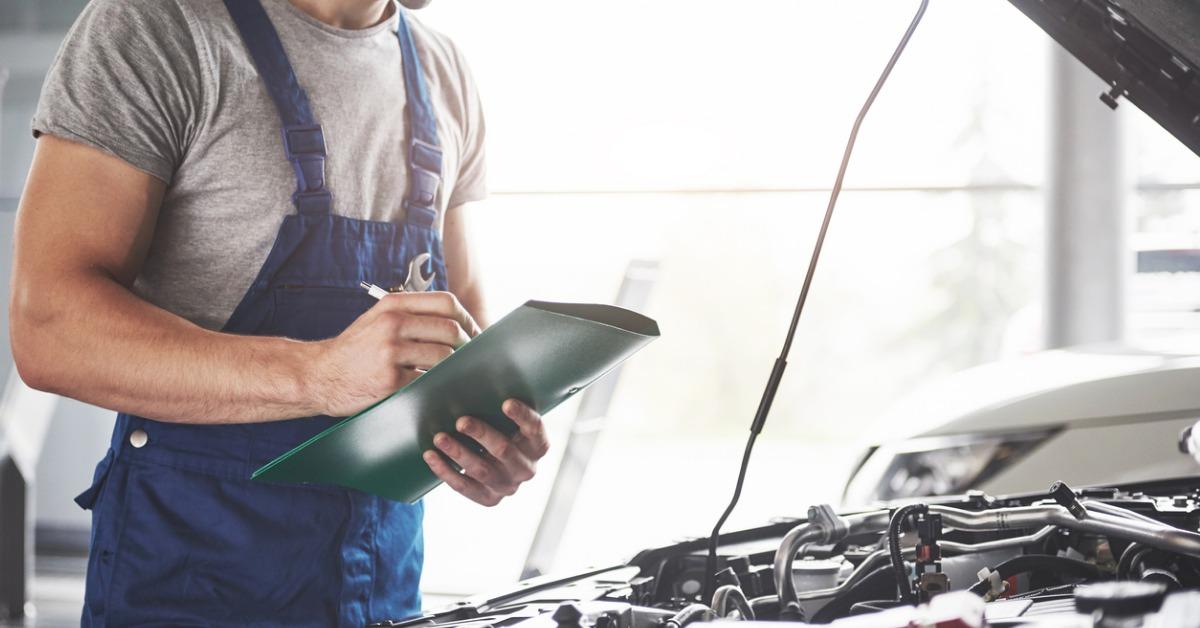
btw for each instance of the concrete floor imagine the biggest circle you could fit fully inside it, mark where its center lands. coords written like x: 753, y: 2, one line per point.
x: 57, y: 592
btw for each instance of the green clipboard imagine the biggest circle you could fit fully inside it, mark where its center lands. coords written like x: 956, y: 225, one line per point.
x: 541, y: 353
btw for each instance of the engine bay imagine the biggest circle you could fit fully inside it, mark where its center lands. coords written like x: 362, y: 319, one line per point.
x: 1105, y: 556
x: 1124, y: 556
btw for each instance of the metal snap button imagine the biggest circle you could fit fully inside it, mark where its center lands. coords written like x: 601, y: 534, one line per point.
x: 138, y: 438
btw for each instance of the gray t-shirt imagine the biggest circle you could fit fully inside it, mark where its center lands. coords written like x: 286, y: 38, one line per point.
x: 167, y: 86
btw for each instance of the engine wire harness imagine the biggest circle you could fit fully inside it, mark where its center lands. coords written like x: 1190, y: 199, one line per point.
x: 916, y: 567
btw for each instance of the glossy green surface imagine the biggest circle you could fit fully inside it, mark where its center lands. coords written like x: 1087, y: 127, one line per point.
x: 541, y: 353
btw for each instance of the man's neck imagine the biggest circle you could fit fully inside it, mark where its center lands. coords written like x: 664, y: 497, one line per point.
x: 348, y: 14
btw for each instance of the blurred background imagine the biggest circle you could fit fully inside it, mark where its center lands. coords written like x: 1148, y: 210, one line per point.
x: 700, y: 138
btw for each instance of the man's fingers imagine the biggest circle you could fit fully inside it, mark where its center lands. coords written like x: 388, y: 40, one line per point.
x: 496, y: 444
x: 439, y: 304
x: 503, y: 448
x: 530, y: 424
x: 433, y: 329
x: 423, y: 355
x: 506, y: 462
x: 482, y: 470
x: 406, y: 377
x: 462, y: 484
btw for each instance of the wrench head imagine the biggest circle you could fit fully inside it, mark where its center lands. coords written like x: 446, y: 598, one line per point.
x: 417, y: 281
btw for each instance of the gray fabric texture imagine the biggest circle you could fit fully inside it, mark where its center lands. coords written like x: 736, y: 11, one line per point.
x: 167, y: 86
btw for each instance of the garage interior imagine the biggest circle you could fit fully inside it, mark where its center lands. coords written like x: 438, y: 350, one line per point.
x: 1009, y: 295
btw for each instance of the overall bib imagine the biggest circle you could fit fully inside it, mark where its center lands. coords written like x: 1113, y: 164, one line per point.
x: 180, y: 535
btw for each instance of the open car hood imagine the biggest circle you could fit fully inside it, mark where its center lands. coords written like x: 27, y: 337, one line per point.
x: 1148, y: 51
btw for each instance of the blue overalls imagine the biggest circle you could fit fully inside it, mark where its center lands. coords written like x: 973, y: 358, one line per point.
x: 180, y: 534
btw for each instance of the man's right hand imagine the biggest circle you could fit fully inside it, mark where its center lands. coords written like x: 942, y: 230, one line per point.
x: 388, y: 347
x: 79, y: 330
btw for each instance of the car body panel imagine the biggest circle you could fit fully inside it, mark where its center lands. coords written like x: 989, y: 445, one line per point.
x: 1107, y: 414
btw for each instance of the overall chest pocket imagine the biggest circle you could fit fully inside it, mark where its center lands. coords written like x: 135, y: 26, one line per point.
x: 316, y: 312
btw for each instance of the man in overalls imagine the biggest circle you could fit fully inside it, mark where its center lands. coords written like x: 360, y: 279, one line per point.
x: 213, y: 179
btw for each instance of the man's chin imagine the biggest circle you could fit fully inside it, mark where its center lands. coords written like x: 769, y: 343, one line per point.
x: 415, y: 4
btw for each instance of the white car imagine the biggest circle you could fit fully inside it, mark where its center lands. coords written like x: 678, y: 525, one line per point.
x: 1090, y: 416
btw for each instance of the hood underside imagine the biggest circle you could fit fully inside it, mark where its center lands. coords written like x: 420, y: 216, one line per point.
x: 1147, y: 51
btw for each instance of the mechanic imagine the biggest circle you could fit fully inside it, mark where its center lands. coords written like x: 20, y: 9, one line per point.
x: 212, y: 181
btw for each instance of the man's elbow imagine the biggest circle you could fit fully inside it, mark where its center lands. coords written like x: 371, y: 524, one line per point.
x: 34, y: 371
x: 31, y: 350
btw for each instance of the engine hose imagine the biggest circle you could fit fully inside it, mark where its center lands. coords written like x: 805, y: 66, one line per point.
x: 1161, y: 536
x: 1132, y: 566
x: 1038, y: 563
x: 873, y: 606
x: 765, y: 607
x: 874, y: 585
x: 1161, y: 576
x: 903, y: 586
x: 1130, y: 558
x: 689, y: 614
x: 731, y: 593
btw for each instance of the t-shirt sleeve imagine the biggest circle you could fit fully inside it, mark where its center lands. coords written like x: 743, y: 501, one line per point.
x: 127, y: 80
x: 472, y: 173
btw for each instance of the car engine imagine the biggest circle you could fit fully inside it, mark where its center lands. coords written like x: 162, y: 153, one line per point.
x: 1124, y: 556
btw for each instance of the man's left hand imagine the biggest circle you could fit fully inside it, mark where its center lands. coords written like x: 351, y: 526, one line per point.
x: 506, y: 463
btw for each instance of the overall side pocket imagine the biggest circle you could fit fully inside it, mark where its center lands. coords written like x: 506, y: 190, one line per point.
x: 102, y: 498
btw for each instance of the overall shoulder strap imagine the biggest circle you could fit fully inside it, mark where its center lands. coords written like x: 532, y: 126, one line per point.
x: 424, y: 154
x: 303, y: 140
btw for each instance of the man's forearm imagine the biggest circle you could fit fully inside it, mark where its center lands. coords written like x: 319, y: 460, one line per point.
x: 90, y: 338
x: 461, y: 263
x: 472, y: 299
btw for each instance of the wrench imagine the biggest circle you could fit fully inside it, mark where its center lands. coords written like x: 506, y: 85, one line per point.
x: 417, y: 281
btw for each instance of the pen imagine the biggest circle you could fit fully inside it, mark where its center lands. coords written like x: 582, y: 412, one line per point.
x: 374, y: 290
